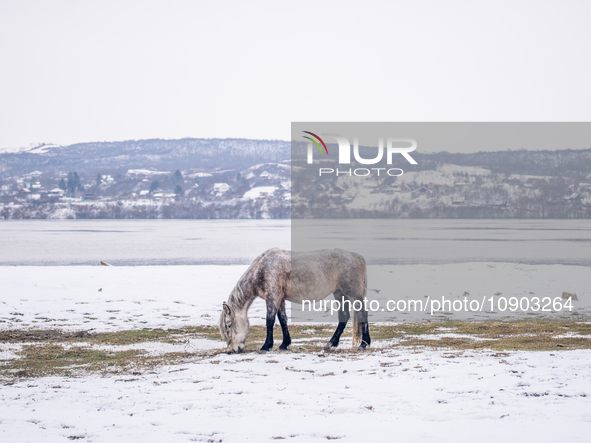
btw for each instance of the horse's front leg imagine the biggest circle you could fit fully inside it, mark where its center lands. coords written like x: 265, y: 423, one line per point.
x: 271, y: 313
x: 282, y: 315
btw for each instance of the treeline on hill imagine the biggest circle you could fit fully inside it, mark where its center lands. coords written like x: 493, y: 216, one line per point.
x: 156, y: 153
x: 566, y: 163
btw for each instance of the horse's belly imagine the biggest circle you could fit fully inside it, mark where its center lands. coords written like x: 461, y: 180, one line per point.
x: 310, y: 292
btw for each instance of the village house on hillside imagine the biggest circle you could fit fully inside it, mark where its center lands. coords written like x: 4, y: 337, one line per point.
x: 219, y: 189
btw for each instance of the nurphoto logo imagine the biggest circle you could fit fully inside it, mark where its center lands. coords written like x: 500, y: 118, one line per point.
x: 392, y: 147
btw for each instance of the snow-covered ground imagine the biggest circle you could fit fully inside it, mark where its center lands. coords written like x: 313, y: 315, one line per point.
x: 257, y: 192
x: 109, y: 298
x: 388, y: 396
x: 384, y: 395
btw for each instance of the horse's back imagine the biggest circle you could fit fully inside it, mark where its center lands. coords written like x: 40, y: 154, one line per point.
x: 310, y: 275
x: 316, y: 274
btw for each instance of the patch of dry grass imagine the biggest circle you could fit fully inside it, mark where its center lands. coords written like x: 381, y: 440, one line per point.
x: 55, y: 352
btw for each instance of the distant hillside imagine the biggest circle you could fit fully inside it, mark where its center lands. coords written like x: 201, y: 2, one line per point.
x: 564, y: 163
x: 238, y: 178
x: 208, y: 154
x: 156, y: 153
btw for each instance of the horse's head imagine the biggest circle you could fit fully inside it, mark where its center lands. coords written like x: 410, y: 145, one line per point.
x: 234, y: 327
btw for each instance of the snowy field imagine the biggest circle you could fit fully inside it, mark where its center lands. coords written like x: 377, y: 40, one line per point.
x: 403, y: 396
x: 383, y: 395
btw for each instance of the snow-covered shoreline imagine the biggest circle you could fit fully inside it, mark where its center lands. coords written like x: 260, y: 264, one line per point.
x: 108, y: 298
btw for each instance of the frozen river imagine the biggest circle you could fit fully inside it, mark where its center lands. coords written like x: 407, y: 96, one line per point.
x: 237, y: 242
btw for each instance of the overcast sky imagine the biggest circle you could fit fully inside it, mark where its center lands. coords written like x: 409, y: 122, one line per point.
x: 77, y: 71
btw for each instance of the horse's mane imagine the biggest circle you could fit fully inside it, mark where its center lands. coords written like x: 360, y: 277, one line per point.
x: 244, y: 292
x: 237, y: 297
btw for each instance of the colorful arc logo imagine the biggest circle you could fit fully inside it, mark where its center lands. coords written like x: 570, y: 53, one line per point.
x: 315, y: 142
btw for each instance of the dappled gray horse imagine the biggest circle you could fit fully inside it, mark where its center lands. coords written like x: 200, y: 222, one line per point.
x: 278, y: 275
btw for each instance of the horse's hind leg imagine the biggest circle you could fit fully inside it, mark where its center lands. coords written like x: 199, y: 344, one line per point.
x: 343, y: 319
x: 360, y: 322
x: 365, y: 338
x: 282, y: 316
x: 271, y: 313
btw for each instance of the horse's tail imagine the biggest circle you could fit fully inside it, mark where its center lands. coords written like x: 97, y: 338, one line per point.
x: 357, y: 328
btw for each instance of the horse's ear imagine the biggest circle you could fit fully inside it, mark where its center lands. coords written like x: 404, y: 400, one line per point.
x: 227, y: 309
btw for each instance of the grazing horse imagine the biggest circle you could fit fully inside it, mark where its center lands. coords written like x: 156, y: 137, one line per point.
x: 278, y: 275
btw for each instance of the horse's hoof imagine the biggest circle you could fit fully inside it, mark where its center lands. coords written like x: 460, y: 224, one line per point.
x: 263, y: 351
x: 362, y: 348
x: 328, y: 347
x: 283, y: 348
